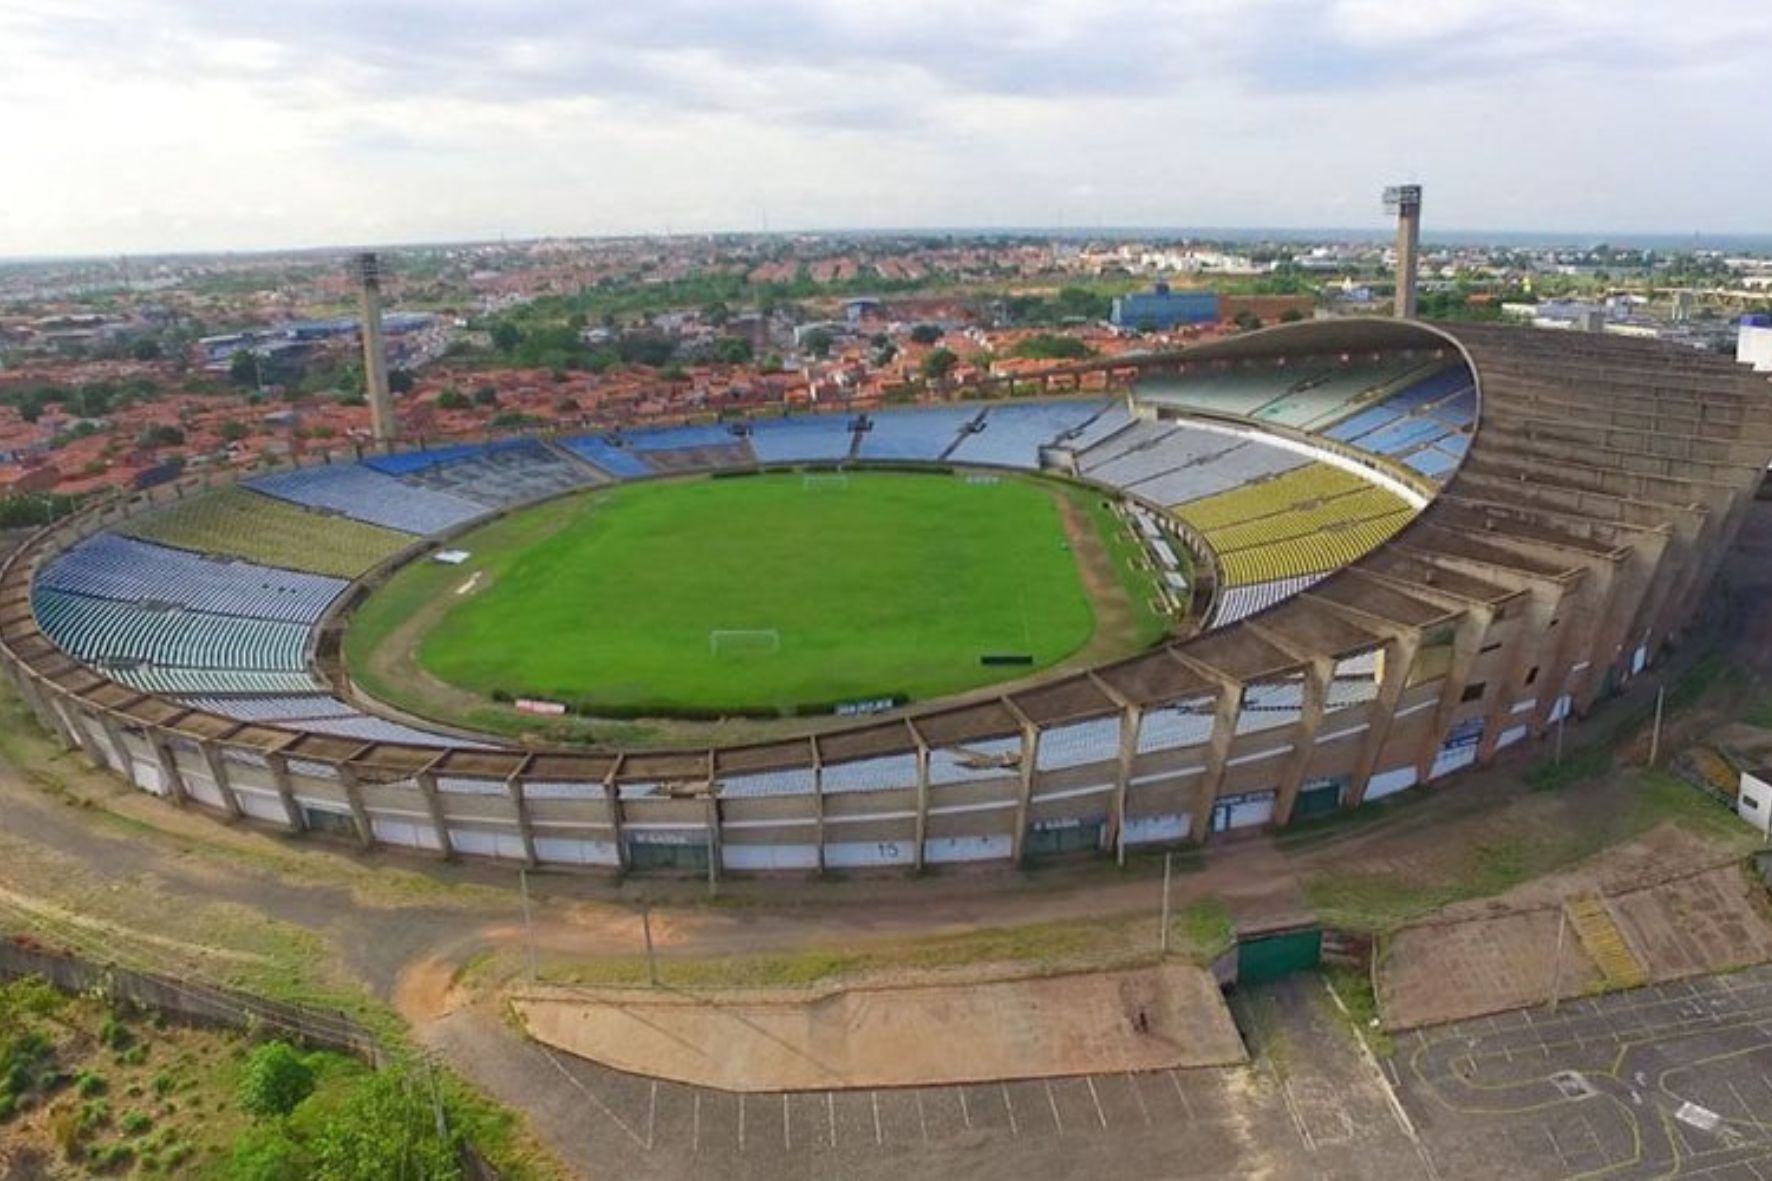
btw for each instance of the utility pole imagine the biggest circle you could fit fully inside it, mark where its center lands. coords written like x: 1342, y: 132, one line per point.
x: 1655, y: 734
x: 651, y: 959
x: 528, y: 925
x: 1163, y: 935
x: 1557, y: 963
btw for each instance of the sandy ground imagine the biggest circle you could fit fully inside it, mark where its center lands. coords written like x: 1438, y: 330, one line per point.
x: 775, y: 1040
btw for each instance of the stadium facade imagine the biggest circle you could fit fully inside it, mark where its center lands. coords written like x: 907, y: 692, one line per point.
x: 1413, y: 548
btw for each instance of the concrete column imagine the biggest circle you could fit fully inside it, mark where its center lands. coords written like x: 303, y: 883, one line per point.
x: 818, y: 803
x: 427, y: 786
x: 170, y: 775
x: 218, y: 771
x: 714, y: 836
x: 1024, y: 791
x: 347, y: 778
x: 286, y: 792
x: 121, y: 760
x: 1304, y: 738
x: 1399, y: 659
x: 1129, y: 723
x: 922, y: 823
x: 1224, y: 731
x: 520, y: 808
x: 1467, y: 645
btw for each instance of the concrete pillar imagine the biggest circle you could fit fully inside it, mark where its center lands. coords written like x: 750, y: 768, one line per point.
x: 922, y: 822
x: 1129, y: 723
x: 1304, y: 738
x: 1399, y: 659
x: 1024, y: 791
x: 1224, y: 731
x: 170, y: 775
x: 427, y: 786
x: 218, y: 771
x: 520, y: 809
x: 347, y: 778
x: 279, y: 766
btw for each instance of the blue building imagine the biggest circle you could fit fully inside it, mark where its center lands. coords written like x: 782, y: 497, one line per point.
x: 1162, y: 309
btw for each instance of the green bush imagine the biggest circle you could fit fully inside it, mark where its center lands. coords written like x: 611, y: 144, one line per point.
x: 89, y: 1083
x: 276, y: 1078
x: 134, y: 1123
x: 266, y: 1154
x: 115, y: 1034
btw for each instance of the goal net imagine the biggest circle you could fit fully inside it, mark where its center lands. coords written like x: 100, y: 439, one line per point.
x: 817, y: 480
x: 756, y: 641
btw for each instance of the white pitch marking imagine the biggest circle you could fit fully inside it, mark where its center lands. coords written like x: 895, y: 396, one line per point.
x: 695, y: 1126
x: 830, y: 1110
x: 787, y: 1134
x: 1010, y: 1108
x: 879, y: 1137
x: 1132, y: 1081
x: 1053, y: 1103
x: 1099, y: 1113
x: 965, y: 1112
x: 651, y: 1114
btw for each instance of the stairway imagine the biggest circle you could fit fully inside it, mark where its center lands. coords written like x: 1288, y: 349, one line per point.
x: 1605, y: 943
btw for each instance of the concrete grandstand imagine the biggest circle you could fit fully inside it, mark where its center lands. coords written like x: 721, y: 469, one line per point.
x: 1412, y: 547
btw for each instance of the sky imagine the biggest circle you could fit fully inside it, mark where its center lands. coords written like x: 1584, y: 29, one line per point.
x: 158, y: 125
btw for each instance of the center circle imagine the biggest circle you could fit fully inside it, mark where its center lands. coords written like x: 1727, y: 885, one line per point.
x: 757, y: 595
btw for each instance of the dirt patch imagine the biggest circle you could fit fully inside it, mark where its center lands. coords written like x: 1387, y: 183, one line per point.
x: 764, y: 1040
x: 1713, y: 920
x: 1441, y: 972
x: 425, y: 990
x: 1115, y: 624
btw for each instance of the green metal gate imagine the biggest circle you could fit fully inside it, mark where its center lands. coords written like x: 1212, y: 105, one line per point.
x: 643, y: 855
x: 1317, y: 799
x: 1077, y: 838
x: 1263, y: 958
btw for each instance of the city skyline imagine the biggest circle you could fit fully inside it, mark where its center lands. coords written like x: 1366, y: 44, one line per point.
x: 182, y: 125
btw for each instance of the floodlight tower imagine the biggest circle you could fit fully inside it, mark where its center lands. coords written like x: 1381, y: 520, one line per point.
x: 375, y: 359
x: 1405, y: 202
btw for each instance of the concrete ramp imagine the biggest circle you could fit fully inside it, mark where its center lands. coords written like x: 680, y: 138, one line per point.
x: 925, y: 1035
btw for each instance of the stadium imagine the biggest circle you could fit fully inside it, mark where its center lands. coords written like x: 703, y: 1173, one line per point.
x: 1172, y: 598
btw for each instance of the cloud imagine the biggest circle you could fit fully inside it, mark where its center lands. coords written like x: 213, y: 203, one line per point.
x: 229, y: 124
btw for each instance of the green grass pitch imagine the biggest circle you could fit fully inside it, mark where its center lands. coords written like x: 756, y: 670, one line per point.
x: 880, y: 584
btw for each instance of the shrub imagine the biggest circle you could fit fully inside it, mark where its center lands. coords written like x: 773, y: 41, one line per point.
x: 262, y: 1154
x: 114, y: 1033
x: 89, y: 1084
x: 276, y: 1078
x: 134, y: 1123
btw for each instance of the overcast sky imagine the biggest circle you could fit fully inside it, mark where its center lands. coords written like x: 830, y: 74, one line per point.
x: 144, y: 125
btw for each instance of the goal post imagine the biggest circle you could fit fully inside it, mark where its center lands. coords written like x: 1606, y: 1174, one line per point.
x: 744, y: 641
x: 826, y: 480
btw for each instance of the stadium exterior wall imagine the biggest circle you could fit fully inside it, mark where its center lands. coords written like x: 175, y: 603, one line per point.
x: 1606, y: 480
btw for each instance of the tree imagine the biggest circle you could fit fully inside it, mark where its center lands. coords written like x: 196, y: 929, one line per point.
x: 232, y: 431
x: 818, y: 342
x: 276, y: 1078
x: 161, y: 435
x: 486, y: 395
x: 733, y: 351
x: 387, y: 1130
x: 506, y: 336
x: 939, y: 364
x: 1247, y: 321
x: 1047, y: 346
x: 926, y: 334
x: 400, y: 381
x: 453, y: 399
x: 244, y: 369
x: 145, y: 349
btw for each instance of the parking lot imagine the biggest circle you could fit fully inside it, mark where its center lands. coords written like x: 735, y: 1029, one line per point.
x: 1670, y: 1080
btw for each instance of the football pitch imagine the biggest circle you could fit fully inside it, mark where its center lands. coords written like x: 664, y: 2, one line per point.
x: 762, y: 594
